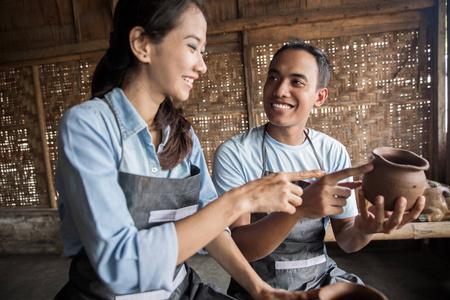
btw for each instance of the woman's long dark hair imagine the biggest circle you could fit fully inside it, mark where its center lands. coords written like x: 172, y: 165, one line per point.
x: 158, y: 18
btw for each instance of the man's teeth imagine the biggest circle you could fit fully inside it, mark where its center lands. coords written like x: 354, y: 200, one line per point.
x: 188, y: 79
x: 282, y: 106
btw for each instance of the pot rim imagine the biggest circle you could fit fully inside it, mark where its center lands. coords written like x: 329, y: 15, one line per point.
x: 422, y: 163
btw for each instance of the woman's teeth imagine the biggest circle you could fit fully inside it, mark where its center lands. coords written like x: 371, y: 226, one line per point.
x: 188, y: 79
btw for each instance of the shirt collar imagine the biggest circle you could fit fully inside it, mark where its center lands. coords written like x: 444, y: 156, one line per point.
x: 130, y: 122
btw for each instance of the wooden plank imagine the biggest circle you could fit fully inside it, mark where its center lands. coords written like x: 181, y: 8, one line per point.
x: 28, y: 63
x: 42, y: 129
x: 322, y: 15
x: 338, y: 28
x: 414, y: 230
x: 46, y: 53
x: 223, y: 48
x: 76, y: 18
x: 222, y: 38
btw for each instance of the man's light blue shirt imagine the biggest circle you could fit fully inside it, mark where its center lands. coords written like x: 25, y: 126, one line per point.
x: 92, y: 206
x: 239, y: 160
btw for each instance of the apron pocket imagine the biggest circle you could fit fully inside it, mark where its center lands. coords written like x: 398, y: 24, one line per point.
x: 299, y: 274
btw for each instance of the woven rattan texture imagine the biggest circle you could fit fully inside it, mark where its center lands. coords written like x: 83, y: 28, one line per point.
x: 22, y: 181
x: 216, y: 107
x: 212, y: 130
x: 377, y: 95
x: 63, y: 85
x: 221, y: 88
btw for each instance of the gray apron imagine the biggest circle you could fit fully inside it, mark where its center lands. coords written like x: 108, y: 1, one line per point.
x: 151, y: 202
x: 301, y: 261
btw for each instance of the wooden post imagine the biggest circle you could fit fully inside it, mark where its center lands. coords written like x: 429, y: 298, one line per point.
x: 246, y: 52
x: 438, y: 139
x: 247, y: 59
x: 447, y: 180
x: 43, y: 131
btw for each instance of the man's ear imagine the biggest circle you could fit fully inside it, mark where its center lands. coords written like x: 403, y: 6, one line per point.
x: 322, y: 95
x: 140, y: 44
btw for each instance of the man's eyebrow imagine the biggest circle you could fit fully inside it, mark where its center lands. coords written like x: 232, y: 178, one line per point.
x: 302, y: 76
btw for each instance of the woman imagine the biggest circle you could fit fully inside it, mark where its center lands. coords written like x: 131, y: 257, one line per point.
x: 131, y: 173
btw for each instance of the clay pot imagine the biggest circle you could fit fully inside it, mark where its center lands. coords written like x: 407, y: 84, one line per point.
x: 397, y: 173
x: 350, y: 291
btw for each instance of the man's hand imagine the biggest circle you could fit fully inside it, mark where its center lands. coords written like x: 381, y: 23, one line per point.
x: 326, y: 196
x: 375, y: 219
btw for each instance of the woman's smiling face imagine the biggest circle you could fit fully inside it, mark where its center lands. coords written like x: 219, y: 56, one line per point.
x: 178, y: 60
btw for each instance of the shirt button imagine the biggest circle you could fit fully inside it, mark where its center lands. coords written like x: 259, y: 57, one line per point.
x: 154, y: 170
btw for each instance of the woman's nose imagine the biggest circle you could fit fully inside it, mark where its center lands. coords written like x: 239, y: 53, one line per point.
x: 201, y: 65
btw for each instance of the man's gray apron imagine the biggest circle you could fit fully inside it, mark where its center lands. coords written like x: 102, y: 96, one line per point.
x: 301, y: 261
x: 151, y: 201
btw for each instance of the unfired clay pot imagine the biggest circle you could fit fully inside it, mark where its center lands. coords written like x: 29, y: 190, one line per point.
x: 396, y: 173
x: 349, y: 291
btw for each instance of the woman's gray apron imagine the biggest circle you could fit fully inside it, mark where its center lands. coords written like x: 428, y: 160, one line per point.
x: 151, y: 201
x: 301, y: 261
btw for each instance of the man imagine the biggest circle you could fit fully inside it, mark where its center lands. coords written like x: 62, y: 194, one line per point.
x: 288, y: 251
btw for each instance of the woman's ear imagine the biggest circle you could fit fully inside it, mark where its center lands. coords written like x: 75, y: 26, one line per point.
x: 322, y: 95
x: 140, y: 44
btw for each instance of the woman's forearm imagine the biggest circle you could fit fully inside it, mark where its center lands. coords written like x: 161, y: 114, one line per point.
x: 226, y: 253
x: 196, y: 231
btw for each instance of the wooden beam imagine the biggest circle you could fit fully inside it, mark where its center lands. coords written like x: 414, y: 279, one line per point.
x: 40, y: 61
x: 322, y: 15
x: 43, y: 131
x: 45, y: 53
x: 338, y: 28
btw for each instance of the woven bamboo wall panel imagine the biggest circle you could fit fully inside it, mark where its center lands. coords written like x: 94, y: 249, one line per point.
x: 378, y: 92
x: 369, y: 67
x: 362, y: 128
x: 216, y: 129
x: 22, y: 169
x: 63, y: 85
x: 221, y: 88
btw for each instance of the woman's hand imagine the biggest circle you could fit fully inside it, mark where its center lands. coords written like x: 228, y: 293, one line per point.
x: 272, y: 193
x: 375, y: 219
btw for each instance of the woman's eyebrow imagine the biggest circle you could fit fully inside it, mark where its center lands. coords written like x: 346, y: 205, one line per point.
x: 193, y: 36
